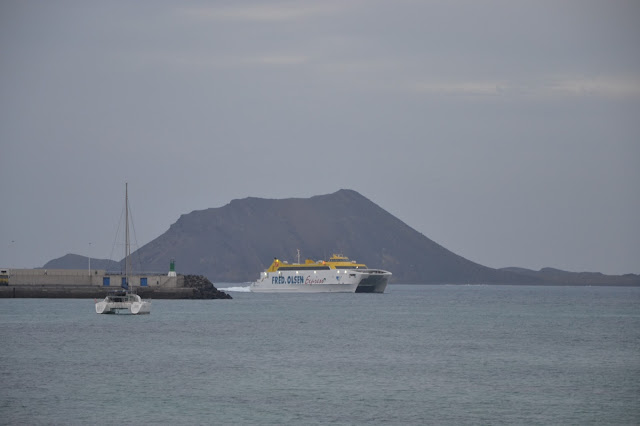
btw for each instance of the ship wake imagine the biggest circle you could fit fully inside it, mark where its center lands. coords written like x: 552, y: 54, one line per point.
x: 237, y: 289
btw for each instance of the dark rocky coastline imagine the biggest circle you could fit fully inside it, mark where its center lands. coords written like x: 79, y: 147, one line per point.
x: 195, y: 287
x: 203, y: 288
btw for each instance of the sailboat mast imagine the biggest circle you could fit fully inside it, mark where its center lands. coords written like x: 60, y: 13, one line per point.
x: 127, y: 249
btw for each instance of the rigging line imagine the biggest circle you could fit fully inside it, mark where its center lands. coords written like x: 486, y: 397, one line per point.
x: 135, y: 239
x: 115, y: 241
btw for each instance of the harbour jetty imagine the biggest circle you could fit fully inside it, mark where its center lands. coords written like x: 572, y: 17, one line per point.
x: 95, y: 283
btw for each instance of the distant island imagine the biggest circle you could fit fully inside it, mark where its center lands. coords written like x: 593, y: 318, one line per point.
x: 234, y: 243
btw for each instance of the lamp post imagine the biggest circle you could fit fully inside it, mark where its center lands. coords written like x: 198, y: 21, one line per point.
x: 89, y: 258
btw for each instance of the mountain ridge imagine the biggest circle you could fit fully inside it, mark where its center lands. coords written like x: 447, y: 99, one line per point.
x: 235, y: 242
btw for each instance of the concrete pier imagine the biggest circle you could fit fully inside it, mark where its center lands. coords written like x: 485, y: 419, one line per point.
x: 81, y: 284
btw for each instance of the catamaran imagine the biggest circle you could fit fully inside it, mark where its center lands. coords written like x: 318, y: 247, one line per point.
x: 124, y: 301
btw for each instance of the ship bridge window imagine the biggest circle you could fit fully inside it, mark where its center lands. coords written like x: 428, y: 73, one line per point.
x: 303, y: 268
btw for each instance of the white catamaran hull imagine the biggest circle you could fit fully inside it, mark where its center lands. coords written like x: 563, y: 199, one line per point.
x: 133, y: 308
x: 123, y: 302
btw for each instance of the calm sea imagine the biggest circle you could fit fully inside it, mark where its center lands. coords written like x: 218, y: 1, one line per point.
x: 443, y: 355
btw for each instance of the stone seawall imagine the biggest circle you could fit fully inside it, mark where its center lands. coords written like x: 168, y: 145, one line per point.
x: 55, y: 284
x: 87, y: 292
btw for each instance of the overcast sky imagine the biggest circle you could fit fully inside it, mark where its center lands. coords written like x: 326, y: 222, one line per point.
x: 506, y: 131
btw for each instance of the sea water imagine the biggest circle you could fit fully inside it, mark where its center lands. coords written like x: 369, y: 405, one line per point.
x: 445, y: 355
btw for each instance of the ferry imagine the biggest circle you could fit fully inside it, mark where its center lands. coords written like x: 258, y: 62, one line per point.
x: 337, y: 275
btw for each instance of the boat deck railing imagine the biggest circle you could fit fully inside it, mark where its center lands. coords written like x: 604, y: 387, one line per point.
x: 120, y: 305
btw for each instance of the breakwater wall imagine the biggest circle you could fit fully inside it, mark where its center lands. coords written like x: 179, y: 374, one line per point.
x: 80, y: 284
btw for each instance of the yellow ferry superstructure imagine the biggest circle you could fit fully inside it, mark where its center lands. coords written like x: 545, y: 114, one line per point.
x: 338, y: 274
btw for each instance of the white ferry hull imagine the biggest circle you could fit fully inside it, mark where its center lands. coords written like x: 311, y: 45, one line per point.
x: 329, y: 281
x: 312, y: 288
x: 373, y: 281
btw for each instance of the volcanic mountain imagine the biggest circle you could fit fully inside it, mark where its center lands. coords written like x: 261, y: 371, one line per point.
x: 235, y: 242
